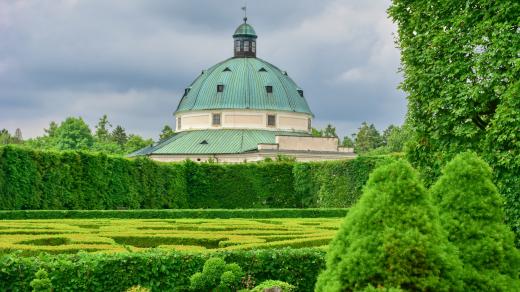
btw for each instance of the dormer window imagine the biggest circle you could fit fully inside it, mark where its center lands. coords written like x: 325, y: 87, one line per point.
x: 300, y: 92
x: 186, y: 91
x: 226, y: 69
x: 262, y: 70
x: 269, y: 89
x: 220, y: 88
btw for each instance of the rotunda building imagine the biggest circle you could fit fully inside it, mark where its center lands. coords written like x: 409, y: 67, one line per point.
x: 244, y: 109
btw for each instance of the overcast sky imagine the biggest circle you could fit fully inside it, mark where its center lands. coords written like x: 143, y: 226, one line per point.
x: 132, y: 59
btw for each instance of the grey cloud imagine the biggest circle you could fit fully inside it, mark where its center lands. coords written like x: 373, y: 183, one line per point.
x: 132, y: 59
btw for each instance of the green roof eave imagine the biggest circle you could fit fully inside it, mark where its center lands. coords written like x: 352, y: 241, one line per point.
x: 222, y: 141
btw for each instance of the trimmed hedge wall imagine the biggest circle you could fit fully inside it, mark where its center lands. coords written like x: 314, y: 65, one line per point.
x: 173, y: 214
x: 75, y: 180
x: 158, y: 270
x: 34, y: 180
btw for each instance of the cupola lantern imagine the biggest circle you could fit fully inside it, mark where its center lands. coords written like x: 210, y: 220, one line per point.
x: 245, y: 41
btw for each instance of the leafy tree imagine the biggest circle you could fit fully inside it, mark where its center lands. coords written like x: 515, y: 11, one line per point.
x: 386, y: 133
x: 73, y: 134
x: 367, y: 138
x: 461, y: 74
x: 5, y: 137
x: 17, y: 138
x: 316, y: 133
x: 136, y: 142
x: 470, y: 208
x: 392, y: 238
x: 347, y: 142
x: 119, y: 136
x: 166, y: 133
x: 397, y: 138
x: 330, y: 131
x: 51, y: 131
x: 102, y: 129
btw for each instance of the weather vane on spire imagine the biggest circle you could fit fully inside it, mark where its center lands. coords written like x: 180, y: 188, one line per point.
x: 245, y: 11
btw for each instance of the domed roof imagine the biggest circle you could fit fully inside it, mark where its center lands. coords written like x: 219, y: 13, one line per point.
x: 246, y: 84
x: 245, y: 30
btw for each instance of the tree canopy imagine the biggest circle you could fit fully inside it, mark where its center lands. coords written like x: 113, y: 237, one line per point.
x: 461, y: 75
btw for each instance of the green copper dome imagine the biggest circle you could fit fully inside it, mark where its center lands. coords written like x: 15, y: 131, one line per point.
x: 245, y: 30
x: 244, y: 83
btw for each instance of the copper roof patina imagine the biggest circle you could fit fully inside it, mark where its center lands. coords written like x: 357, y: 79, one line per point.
x: 245, y: 81
x: 221, y: 141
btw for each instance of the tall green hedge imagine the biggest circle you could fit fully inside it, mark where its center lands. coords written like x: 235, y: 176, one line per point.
x: 74, y: 180
x: 158, y: 270
x: 335, y: 184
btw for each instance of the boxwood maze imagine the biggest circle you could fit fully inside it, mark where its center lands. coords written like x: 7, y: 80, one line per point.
x: 91, y: 235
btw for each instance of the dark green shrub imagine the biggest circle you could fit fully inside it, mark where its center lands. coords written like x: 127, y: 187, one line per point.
x: 176, y: 213
x: 41, y: 282
x: 32, y: 180
x: 470, y: 208
x: 336, y: 184
x: 74, y: 180
x: 392, y: 238
x: 286, y: 287
x: 216, y: 275
x: 157, y: 270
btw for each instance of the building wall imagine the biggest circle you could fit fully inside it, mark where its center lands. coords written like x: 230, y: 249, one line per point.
x: 256, y: 156
x: 297, y: 143
x: 243, y: 119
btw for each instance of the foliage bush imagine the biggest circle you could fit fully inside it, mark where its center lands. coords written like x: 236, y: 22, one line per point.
x: 286, y: 287
x: 157, y: 270
x: 216, y: 275
x: 32, y: 179
x: 470, y: 208
x: 392, y: 238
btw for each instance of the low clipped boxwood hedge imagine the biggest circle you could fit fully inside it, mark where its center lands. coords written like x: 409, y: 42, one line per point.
x: 158, y: 270
x: 173, y: 214
x: 46, y: 180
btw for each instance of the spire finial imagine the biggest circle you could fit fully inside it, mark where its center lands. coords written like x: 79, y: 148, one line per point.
x: 245, y: 12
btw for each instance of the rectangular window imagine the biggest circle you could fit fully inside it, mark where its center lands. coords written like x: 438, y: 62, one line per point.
x: 179, y: 123
x: 237, y: 46
x: 246, y: 46
x: 216, y: 120
x: 220, y: 88
x: 269, y: 89
x: 271, y: 120
x: 309, y: 124
x: 253, y: 47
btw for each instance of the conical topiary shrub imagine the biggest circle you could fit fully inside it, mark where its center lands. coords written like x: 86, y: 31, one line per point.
x: 471, y: 211
x: 392, y: 238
